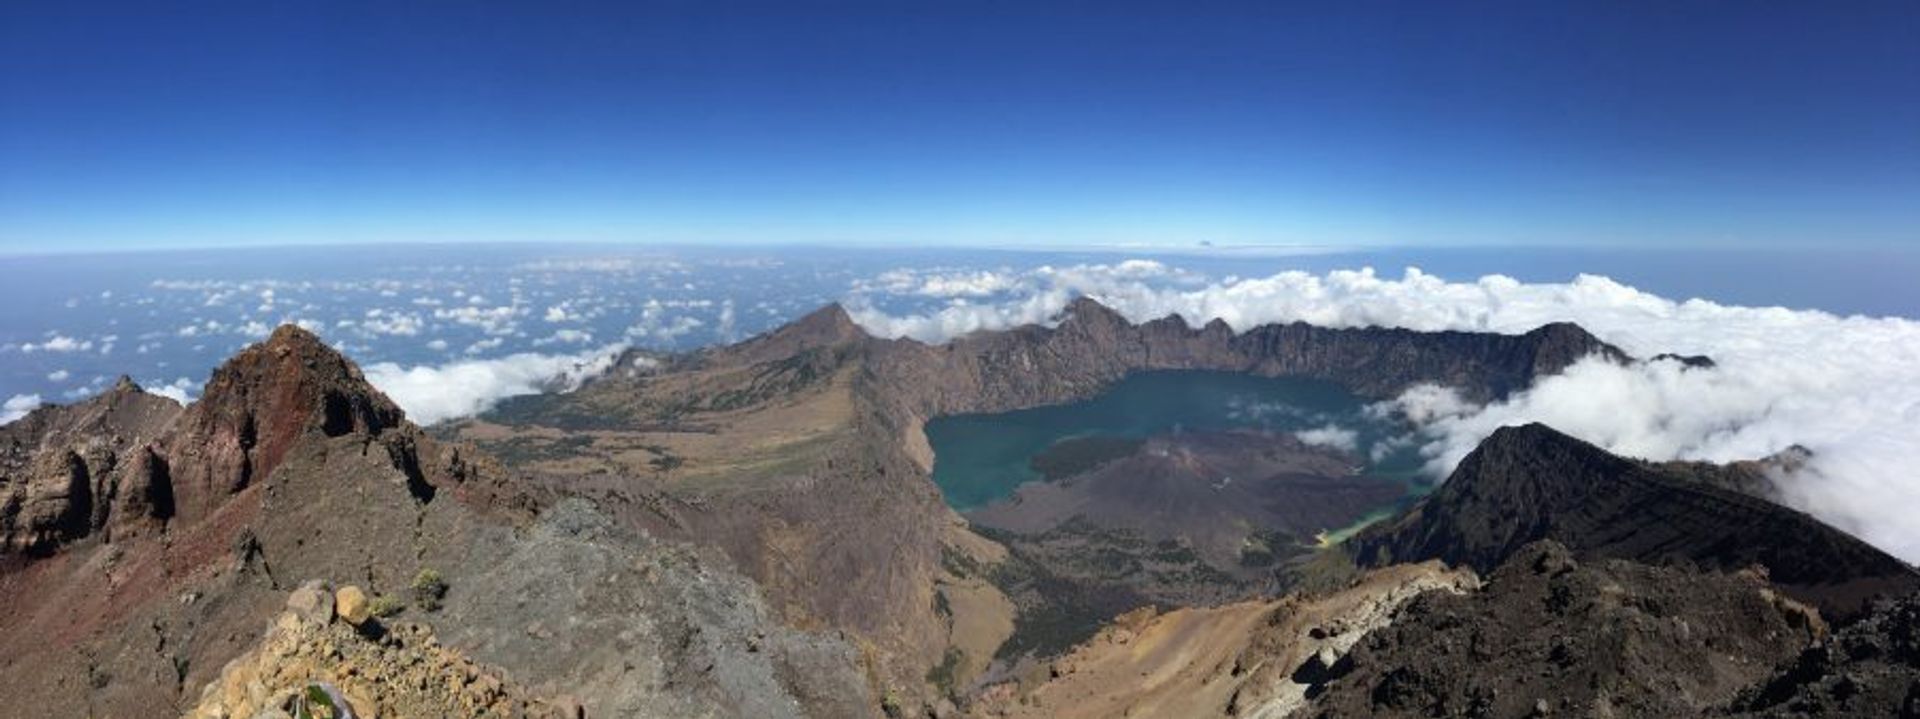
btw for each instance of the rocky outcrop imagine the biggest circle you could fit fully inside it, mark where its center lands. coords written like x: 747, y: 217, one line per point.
x: 384, y: 670
x: 1551, y: 635
x: 133, y: 462
x: 67, y: 472
x: 1870, y: 668
x: 1524, y: 484
x: 257, y: 406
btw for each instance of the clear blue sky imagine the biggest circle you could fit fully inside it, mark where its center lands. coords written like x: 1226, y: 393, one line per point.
x: 1421, y: 123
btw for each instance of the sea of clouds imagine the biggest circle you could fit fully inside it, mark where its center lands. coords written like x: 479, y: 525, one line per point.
x: 1847, y: 388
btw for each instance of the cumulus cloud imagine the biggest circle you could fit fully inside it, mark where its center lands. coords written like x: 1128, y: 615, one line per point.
x: 180, y: 390
x: 387, y: 322
x: 494, y: 321
x: 58, y: 343
x: 1340, y: 438
x: 435, y: 393
x: 18, y: 406
x: 58, y: 375
x: 657, y: 323
x: 1846, y: 387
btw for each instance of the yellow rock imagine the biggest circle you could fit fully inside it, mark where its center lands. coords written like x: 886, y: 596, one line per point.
x: 352, y: 605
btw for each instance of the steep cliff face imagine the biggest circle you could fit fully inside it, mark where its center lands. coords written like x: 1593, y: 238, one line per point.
x: 1530, y: 483
x: 68, y: 472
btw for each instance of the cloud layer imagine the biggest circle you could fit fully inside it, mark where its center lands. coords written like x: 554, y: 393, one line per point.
x: 1846, y: 387
x: 435, y: 393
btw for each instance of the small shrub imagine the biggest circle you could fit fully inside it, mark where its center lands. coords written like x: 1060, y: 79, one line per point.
x: 316, y: 703
x: 386, y: 605
x: 428, y: 590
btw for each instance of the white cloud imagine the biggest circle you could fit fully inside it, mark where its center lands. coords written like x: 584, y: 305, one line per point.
x: 431, y: 394
x: 18, y: 406
x: 1345, y: 440
x: 484, y: 345
x: 727, y: 319
x: 494, y: 321
x: 180, y: 390
x: 1846, y: 387
x: 58, y: 375
x: 437, y: 345
x: 385, y: 322
x: 567, y: 336
x: 58, y: 343
x: 655, y: 322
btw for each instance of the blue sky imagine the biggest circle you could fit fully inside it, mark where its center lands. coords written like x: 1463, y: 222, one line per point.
x: 1597, y: 124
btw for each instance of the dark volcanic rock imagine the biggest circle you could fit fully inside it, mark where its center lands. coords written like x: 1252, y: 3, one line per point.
x: 1552, y: 635
x: 1529, y: 483
x: 1870, y: 668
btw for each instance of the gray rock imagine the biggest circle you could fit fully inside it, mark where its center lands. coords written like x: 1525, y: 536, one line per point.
x: 312, y: 602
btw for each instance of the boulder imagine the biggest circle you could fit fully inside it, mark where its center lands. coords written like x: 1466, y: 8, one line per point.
x: 312, y: 602
x: 352, y: 605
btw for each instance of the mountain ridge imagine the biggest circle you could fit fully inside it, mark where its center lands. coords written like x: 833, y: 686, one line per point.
x: 1531, y: 482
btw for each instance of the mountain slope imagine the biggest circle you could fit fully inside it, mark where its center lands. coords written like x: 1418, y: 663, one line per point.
x: 1528, y: 483
x: 291, y: 467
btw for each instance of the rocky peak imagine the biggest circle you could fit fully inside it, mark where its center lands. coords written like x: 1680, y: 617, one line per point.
x: 259, y: 404
x: 293, y: 380
x: 1089, y: 311
x: 830, y: 323
x: 827, y: 327
x: 125, y: 385
x: 1559, y: 344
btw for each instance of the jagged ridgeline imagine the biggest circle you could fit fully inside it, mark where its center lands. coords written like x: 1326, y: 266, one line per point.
x: 751, y: 530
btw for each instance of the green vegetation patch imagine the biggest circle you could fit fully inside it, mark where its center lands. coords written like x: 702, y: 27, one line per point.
x: 946, y: 673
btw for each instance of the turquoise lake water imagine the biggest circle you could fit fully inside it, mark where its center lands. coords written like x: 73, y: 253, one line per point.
x: 979, y: 458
